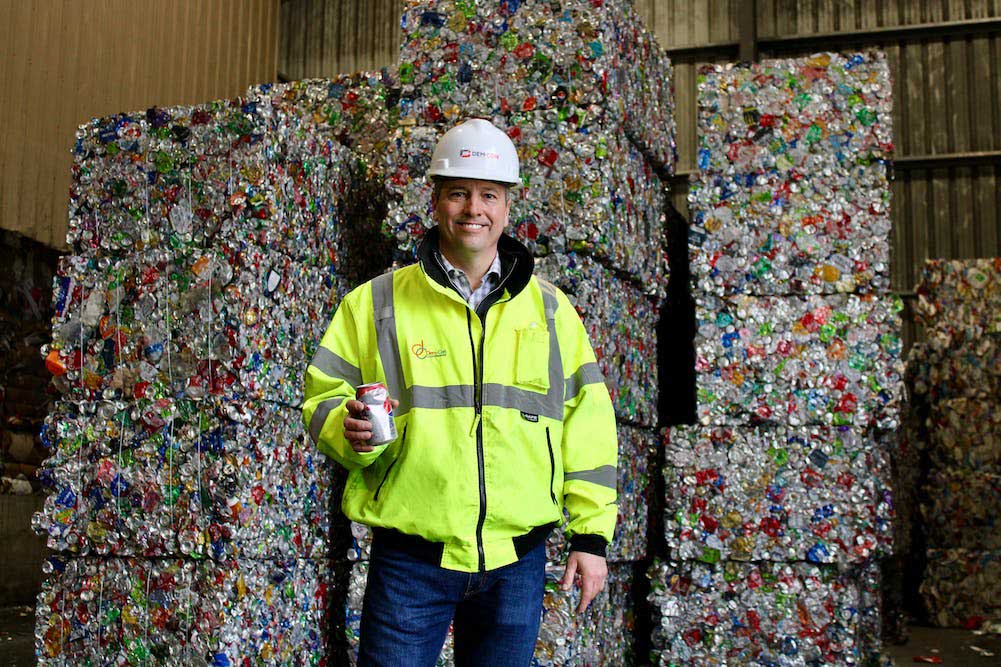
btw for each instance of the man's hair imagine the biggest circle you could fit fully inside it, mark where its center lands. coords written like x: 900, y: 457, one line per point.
x: 437, y: 183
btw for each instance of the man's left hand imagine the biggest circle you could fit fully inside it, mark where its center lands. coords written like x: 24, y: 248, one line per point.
x: 592, y: 572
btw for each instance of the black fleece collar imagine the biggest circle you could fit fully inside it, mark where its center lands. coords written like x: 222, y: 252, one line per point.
x: 517, y: 263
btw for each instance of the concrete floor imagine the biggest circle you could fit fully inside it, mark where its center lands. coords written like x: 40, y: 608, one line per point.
x: 954, y: 647
x: 17, y: 638
x: 958, y: 648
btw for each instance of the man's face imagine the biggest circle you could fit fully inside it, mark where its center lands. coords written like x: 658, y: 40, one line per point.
x: 471, y: 216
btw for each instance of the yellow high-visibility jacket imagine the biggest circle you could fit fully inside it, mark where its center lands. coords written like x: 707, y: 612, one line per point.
x: 504, y: 418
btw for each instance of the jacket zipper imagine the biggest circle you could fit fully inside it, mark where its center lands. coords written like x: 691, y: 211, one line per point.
x: 403, y: 441
x: 477, y: 404
x: 552, y: 468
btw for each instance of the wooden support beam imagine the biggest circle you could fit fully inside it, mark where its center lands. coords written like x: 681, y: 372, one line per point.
x: 747, y: 25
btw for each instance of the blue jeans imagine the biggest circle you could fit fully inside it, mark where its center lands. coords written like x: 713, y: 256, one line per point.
x: 409, y: 604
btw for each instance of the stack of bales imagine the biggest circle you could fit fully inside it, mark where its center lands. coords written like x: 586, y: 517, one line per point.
x: 957, y: 376
x: 585, y: 94
x: 189, y: 516
x: 777, y: 504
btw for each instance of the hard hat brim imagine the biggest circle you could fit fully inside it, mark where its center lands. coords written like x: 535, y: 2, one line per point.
x: 439, y: 178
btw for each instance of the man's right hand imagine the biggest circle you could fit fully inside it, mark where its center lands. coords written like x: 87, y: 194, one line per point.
x: 357, y: 429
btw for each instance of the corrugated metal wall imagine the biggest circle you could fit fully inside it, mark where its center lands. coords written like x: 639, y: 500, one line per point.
x: 324, y: 38
x: 66, y: 62
x: 944, y: 58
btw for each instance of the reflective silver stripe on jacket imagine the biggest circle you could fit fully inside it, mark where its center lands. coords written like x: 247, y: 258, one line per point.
x: 330, y: 363
x: 603, y: 476
x: 588, y: 373
x: 554, y: 398
x: 319, y: 417
x: 385, y: 336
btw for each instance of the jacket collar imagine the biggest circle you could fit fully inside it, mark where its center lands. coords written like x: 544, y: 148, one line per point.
x: 517, y: 263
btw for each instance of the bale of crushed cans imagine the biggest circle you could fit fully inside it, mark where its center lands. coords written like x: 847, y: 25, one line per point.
x: 831, y: 359
x: 791, y: 194
x: 817, y: 494
x: 961, y: 509
x: 359, y: 111
x: 603, y: 635
x: 965, y: 433
x: 960, y: 297
x: 962, y: 587
x: 230, y: 320
x: 163, y: 611
x: 942, y: 367
x: 761, y: 613
x: 189, y: 177
x: 956, y: 376
x: 166, y: 477
x: 209, y: 255
x: 466, y: 59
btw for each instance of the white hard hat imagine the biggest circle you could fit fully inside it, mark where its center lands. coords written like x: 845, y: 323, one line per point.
x: 475, y: 149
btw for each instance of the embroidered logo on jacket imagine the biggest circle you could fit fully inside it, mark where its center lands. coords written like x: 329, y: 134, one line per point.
x: 422, y: 351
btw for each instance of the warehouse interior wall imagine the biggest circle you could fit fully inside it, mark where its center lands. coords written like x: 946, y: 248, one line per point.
x: 68, y: 62
x: 324, y: 38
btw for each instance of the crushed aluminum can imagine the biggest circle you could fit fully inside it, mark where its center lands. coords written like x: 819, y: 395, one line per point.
x: 378, y: 411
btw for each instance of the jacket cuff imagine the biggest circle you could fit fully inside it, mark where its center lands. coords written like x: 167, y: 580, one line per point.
x: 589, y: 544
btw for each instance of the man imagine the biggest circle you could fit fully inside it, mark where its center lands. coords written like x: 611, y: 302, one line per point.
x: 503, y: 418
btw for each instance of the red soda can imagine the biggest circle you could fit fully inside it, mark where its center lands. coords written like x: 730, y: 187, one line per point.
x: 378, y: 411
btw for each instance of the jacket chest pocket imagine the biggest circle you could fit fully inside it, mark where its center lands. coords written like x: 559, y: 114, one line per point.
x: 531, y: 358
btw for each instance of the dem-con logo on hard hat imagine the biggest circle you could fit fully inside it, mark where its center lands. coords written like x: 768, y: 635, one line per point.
x: 467, y: 152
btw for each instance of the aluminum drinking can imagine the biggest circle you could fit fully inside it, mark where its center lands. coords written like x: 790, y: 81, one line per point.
x: 378, y: 411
